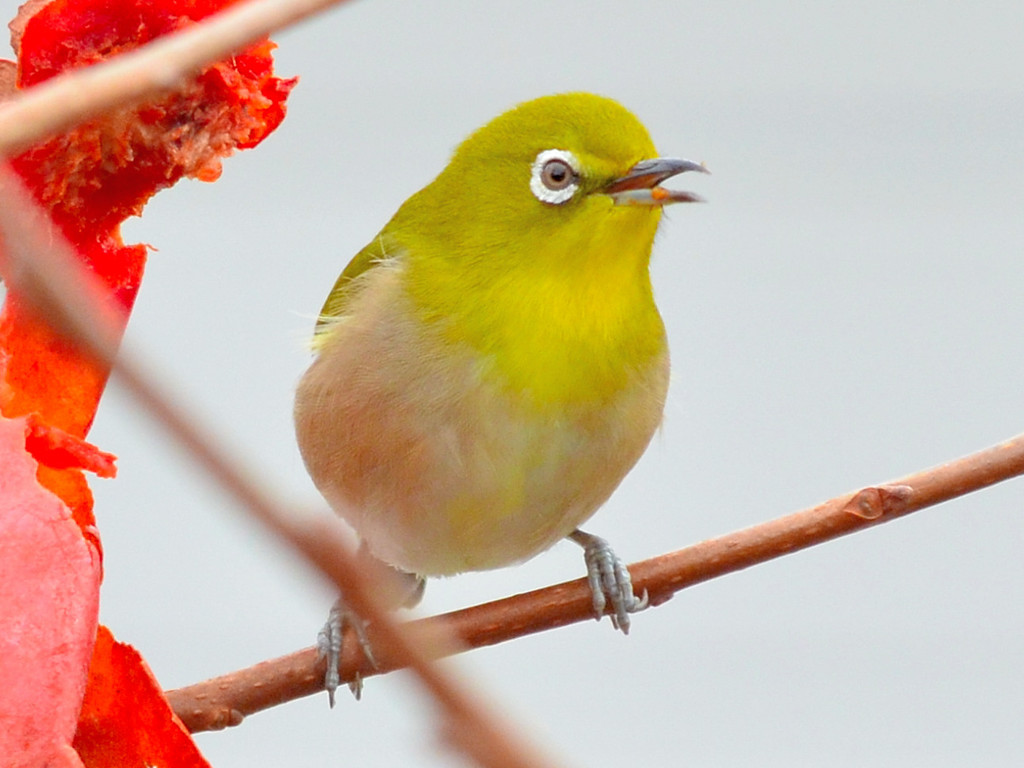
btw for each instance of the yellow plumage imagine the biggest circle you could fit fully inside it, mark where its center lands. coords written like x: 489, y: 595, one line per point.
x: 491, y: 366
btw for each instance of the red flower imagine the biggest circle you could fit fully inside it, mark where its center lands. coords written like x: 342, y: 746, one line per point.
x: 90, y: 179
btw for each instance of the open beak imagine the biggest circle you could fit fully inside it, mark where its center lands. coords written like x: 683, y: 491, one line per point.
x: 640, y: 185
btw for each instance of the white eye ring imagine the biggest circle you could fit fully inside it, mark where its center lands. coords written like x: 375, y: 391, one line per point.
x: 554, y: 176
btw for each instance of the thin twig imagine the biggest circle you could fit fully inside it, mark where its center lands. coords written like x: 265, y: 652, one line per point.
x: 41, y: 266
x: 67, y: 100
x: 225, y: 700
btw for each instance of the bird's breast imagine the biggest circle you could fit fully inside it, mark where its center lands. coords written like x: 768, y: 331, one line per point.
x: 447, y: 457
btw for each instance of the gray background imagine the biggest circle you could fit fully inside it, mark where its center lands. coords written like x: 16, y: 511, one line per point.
x: 845, y: 310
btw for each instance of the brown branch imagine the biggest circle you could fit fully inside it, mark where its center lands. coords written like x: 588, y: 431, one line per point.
x: 73, y: 97
x: 224, y: 701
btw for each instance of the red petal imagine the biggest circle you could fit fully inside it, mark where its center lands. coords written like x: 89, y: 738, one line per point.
x: 230, y: 104
x: 104, y: 170
x: 49, y: 597
x: 59, y: 450
x: 126, y: 721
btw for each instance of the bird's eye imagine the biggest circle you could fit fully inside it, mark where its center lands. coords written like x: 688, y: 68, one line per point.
x: 555, y: 176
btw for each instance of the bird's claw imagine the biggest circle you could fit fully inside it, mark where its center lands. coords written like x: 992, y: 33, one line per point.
x: 610, y: 582
x: 328, y: 645
x: 329, y: 641
x: 408, y: 592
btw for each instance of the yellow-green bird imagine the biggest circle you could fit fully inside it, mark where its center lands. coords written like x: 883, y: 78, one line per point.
x: 492, y: 364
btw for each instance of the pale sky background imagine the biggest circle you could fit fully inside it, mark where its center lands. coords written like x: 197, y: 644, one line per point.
x: 845, y: 310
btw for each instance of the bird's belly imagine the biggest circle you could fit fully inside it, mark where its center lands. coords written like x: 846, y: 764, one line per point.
x: 439, y: 469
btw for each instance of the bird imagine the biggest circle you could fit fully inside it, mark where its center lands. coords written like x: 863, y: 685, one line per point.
x: 490, y: 367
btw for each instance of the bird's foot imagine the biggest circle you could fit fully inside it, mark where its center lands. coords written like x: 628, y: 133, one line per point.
x: 328, y: 643
x: 610, y: 582
x: 408, y: 591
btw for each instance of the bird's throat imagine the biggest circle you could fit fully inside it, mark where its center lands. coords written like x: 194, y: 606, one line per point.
x: 558, y: 338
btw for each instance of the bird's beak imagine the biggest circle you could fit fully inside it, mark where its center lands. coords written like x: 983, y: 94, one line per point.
x: 640, y: 185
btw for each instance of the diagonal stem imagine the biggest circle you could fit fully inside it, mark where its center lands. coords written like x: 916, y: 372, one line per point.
x: 41, y: 266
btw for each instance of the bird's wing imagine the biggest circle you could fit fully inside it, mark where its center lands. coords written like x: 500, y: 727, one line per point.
x: 336, y: 306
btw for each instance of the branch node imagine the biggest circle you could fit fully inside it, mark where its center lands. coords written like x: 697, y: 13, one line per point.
x: 876, y: 502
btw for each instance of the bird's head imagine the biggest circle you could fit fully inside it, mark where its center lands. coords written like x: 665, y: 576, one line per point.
x: 556, y: 178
